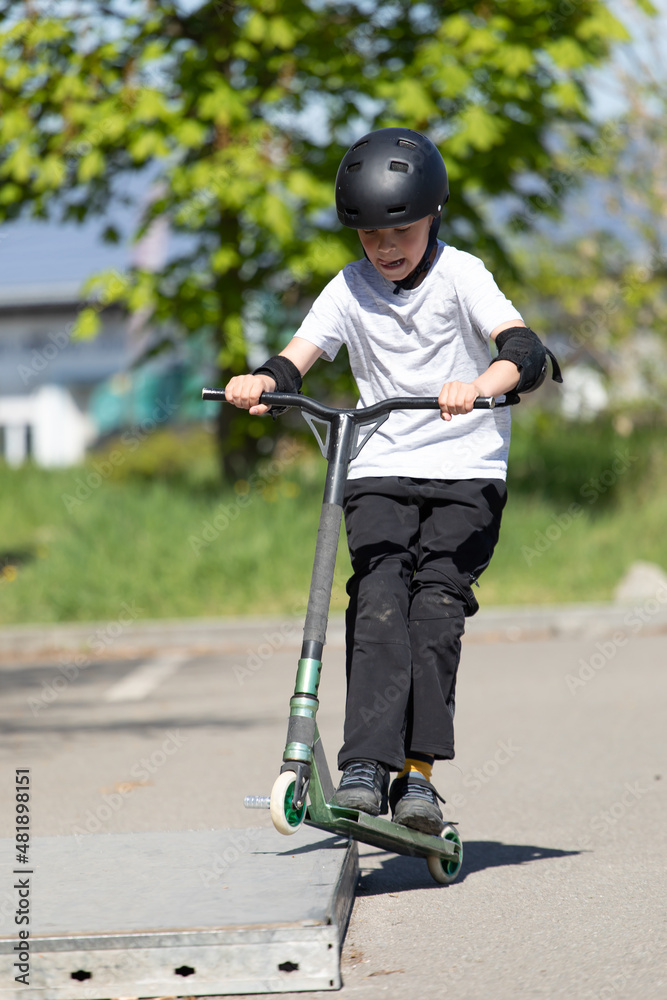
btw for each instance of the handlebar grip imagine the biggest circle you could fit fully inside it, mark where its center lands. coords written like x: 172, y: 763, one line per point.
x: 216, y: 394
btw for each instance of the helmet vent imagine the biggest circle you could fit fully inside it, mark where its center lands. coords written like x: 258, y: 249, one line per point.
x: 360, y: 144
x: 399, y: 165
x: 397, y: 210
x: 353, y: 167
x: 406, y: 143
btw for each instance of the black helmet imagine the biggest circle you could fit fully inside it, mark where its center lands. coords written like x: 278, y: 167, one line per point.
x: 388, y: 178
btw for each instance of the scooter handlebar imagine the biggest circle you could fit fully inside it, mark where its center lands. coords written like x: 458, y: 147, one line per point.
x: 376, y: 410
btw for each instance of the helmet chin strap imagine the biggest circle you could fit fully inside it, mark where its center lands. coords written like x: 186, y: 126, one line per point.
x: 424, y: 264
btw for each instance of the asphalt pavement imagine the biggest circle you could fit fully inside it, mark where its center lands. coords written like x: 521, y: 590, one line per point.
x: 558, y: 785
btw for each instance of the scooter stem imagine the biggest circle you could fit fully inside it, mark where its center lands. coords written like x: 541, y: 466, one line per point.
x: 304, y: 703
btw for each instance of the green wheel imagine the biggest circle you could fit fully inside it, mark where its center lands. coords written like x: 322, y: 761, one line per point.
x: 442, y: 869
x: 285, y: 817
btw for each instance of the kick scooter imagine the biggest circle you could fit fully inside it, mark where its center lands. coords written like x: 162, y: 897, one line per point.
x: 305, y: 773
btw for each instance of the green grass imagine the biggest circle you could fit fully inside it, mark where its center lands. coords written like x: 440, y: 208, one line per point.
x: 161, y: 538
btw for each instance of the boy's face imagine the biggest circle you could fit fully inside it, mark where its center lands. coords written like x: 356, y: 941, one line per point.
x: 396, y: 252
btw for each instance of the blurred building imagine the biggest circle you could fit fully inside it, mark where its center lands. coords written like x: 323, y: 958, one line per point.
x: 59, y: 395
x: 46, y: 378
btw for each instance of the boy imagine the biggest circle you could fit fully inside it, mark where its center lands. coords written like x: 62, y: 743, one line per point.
x: 423, y: 500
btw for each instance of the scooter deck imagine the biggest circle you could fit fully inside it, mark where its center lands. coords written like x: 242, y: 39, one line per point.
x: 374, y: 830
x: 380, y: 832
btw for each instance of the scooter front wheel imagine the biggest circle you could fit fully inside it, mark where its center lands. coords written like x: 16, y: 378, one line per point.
x: 442, y: 870
x: 285, y: 817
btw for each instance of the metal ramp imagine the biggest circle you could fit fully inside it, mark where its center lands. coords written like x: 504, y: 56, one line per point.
x: 183, y: 913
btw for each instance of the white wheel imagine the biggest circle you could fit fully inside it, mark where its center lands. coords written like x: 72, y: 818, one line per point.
x: 442, y: 870
x: 285, y: 818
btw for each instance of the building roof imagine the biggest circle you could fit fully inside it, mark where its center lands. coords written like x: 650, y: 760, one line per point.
x: 43, y: 262
x: 46, y: 262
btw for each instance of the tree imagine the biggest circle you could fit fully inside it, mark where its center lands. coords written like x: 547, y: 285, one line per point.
x: 603, y: 287
x: 242, y: 110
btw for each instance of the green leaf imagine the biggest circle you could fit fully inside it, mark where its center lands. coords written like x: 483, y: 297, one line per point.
x: 190, y: 133
x: 233, y: 351
x: 87, y: 324
x: 281, y: 33
x: 515, y: 60
x: 50, y: 174
x: 479, y: 130
x: 410, y: 99
x: 455, y: 28
x: 140, y: 296
x: 150, y: 106
x: 566, y: 53
x: 452, y: 79
x: 277, y: 216
x: 567, y: 96
x: 256, y: 28
x: 224, y: 259
x: 307, y: 187
x: 147, y: 144
x: 70, y: 85
x: 14, y: 123
x: 10, y: 193
x: 19, y: 164
x: 602, y: 25
x: 91, y: 165
x: 222, y: 105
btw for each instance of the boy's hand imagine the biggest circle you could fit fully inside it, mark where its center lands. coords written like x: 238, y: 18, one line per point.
x: 457, y: 397
x: 244, y: 391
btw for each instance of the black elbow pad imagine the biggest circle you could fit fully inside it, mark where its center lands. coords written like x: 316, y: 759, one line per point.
x: 524, y: 348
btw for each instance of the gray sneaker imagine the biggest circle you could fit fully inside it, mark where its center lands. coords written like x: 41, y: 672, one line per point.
x: 364, y: 785
x: 414, y: 803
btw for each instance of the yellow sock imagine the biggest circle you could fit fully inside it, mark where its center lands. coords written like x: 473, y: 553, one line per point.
x: 426, y: 770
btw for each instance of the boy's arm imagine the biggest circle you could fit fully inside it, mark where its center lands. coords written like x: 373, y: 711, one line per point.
x: 302, y: 353
x: 244, y: 390
x: 500, y: 377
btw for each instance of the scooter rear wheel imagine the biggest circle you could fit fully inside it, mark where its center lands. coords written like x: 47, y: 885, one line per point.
x: 285, y: 817
x: 442, y: 870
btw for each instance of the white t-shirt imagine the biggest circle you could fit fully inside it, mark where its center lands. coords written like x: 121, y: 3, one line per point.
x: 410, y: 344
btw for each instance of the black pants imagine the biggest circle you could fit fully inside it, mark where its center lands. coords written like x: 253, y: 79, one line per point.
x: 416, y: 546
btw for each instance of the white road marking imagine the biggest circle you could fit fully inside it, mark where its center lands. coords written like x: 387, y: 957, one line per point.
x: 145, y: 678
